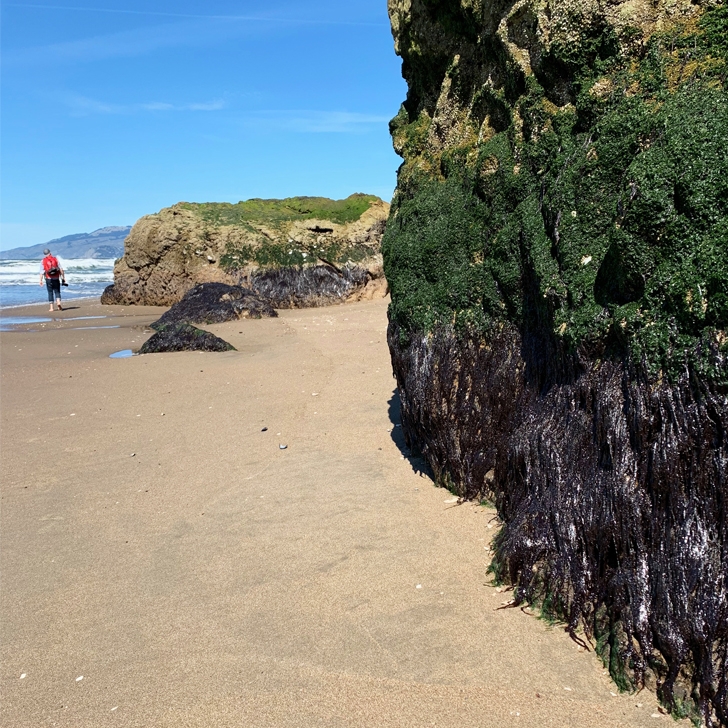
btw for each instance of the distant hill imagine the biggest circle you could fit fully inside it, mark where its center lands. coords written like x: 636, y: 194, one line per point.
x: 107, y: 242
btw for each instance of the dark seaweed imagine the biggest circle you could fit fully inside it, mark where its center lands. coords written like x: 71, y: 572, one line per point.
x: 213, y: 303
x: 308, y: 287
x: 613, y: 490
x: 183, y: 337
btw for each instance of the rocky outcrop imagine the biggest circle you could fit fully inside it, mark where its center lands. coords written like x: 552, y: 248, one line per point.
x: 168, y: 253
x: 557, y: 254
x: 183, y: 337
x: 214, y: 303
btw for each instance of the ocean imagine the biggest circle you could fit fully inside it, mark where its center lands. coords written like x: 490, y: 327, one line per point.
x: 86, y: 278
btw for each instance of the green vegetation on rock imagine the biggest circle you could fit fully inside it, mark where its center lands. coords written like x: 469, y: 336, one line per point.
x: 596, y: 203
x: 271, y: 254
x: 273, y: 212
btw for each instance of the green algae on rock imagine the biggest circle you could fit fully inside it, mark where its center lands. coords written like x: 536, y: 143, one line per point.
x: 168, y: 253
x: 557, y: 253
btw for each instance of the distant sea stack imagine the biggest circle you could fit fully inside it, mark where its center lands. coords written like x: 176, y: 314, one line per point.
x: 557, y: 254
x: 300, y: 251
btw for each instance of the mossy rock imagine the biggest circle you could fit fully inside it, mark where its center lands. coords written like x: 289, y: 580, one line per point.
x: 606, y: 192
x: 557, y: 255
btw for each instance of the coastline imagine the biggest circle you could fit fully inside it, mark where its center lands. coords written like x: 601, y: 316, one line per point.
x: 87, y: 278
x: 13, y: 306
x: 159, y: 544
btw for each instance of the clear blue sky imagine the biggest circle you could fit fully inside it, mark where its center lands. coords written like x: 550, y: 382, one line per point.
x: 114, y: 109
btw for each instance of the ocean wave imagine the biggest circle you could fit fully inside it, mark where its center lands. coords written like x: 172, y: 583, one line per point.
x: 86, y: 277
x: 79, y: 271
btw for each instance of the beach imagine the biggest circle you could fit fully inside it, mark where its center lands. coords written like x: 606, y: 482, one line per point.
x: 242, y: 538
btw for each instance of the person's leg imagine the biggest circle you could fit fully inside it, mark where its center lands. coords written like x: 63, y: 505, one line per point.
x: 49, y: 288
x: 57, y: 292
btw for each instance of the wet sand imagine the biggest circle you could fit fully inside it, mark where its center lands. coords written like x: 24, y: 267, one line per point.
x: 158, y: 544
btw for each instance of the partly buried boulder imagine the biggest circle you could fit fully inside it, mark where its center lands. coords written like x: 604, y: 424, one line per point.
x: 183, y: 337
x: 214, y: 303
x: 319, y: 285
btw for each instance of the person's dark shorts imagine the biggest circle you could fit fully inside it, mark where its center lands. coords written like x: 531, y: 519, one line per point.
x: 53, y: 285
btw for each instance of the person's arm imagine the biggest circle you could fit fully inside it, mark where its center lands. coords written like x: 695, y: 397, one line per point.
x: 61, y: 272
x: 41, y: 274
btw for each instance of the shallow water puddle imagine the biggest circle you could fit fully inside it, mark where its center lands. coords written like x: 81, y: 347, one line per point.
x: 123, y: 354
x: 8, y: 323
x: 93, y: 328
x: 84, y: 318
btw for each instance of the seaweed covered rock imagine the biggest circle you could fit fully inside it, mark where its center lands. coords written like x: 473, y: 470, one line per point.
x: 214, y: 303
x: 179, y: 247
x: 308, y: 287
x: 557, y: 254
x: 183, y: 337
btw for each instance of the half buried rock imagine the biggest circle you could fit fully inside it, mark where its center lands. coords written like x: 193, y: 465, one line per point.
x: 183, y: 337
x: 213, y: 303
x: 321, y: 285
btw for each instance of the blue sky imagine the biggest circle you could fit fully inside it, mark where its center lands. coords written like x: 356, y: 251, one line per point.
x: 111, y: 110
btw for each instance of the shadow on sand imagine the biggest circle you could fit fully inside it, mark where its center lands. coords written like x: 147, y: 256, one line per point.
x: 418, y: 463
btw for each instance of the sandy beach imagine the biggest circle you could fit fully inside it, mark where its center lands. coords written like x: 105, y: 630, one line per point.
x: 166, y: 563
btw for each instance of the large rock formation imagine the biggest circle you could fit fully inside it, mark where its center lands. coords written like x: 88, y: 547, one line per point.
x: 168, y: 253
x: 557, y: 254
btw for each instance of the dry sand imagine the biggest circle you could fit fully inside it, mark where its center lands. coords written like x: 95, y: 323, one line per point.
x: 156, y: 542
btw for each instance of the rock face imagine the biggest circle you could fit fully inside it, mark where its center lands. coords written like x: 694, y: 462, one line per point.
x: 557, y: 254
x: 214, y: 303
x: 168, y: 253
x: 183, y: 337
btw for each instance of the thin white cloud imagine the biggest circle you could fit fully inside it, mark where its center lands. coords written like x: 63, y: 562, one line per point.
x: 84, y: 106
x: 280, y: 19
x: 187, y: 30
x: 128, y: 43
x: 211, y: 106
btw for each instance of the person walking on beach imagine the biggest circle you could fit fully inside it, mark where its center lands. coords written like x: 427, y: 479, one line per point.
x: 52, y: 272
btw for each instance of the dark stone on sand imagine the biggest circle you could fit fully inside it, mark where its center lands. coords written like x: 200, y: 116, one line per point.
x: 309, y: 287
x: 110, y: 296
x: 214, y: 303
x: 183, y: 337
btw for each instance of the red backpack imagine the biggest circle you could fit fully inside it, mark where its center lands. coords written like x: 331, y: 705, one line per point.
x: 51, y: 267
